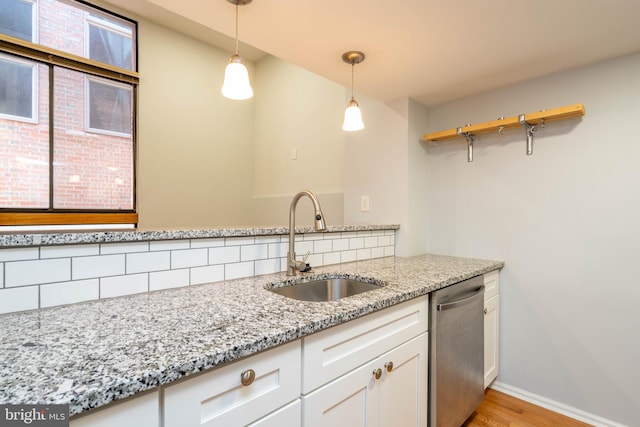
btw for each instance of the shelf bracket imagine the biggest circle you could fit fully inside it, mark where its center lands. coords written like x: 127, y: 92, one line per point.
x: 529, y: 130
x: 469, y: 138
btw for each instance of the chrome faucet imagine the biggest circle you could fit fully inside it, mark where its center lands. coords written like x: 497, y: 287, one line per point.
x: 294, y: 265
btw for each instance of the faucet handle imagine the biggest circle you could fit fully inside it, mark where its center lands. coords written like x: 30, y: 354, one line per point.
x: 304, y: 258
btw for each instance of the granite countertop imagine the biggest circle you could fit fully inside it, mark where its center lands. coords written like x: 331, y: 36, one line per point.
x: 18, y: 239
x: 90, y: 354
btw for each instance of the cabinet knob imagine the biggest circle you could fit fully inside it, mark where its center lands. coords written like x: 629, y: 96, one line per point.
x: 389, y: 366
x: 247, y: 377
x: 485, y: 311
x: 377, y: 373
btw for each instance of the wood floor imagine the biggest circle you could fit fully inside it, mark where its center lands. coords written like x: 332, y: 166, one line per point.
x: 501, y: 410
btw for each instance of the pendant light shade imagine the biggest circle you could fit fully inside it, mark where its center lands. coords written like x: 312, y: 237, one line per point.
x: 236, y: 77
x: 352, y: 115
x: 236, y: 80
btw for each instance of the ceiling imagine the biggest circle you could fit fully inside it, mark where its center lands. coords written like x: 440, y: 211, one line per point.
x: 430, y: 50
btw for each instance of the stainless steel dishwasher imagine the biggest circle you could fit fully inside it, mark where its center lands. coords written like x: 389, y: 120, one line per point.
x: 456, y: 352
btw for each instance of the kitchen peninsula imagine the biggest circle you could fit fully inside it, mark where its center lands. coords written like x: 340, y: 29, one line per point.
x: 89, y: 355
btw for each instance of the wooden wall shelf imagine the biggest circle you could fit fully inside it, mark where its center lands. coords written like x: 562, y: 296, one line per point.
x: 568, y: 112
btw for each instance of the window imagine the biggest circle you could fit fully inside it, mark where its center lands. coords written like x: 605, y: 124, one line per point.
x: 75, y: 163
x: 109, y: 107
x: 16, y: 19
x: 18, y: 89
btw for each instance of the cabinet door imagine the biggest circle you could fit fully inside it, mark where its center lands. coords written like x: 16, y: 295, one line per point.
x: 289, y: 416
x: 142, y: 411
x: 350, y: 401
x: 403, y: 387
x: 218, y: 398
x: 338, y: 350
x: 491, y: 339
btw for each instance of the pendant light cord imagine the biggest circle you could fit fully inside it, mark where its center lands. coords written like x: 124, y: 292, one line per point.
x: 353, y: 66
x: 236, y: 28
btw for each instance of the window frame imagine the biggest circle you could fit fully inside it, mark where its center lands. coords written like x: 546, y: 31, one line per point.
x: 52, y: 57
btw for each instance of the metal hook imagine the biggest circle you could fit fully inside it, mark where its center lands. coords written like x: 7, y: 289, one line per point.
x: 530, y: 130
x: 501, y: 128
x: 469, y: 138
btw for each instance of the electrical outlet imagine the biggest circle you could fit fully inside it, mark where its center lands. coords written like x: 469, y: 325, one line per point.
x: 364, y: 203
x: 294, y: 154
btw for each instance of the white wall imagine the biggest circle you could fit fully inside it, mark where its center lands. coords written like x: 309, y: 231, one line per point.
x: 564, y: 220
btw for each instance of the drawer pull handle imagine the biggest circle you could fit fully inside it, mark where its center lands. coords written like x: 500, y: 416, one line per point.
x: 389, y: 366
x: 247, y: 377
x: 377, y: 373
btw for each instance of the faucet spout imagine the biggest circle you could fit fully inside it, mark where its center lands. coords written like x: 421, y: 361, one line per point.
x: 294, y: 265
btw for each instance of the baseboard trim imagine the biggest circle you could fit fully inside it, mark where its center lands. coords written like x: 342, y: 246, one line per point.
x: 554, y: 406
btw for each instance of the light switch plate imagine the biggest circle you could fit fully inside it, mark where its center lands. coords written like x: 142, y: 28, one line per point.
x: 364, y: 203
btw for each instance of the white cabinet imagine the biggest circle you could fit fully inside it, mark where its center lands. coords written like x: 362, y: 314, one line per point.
x: 142, y: 411
x: 219, y: 398
x: 397, y: 398
x: 491, y: 326
x: 372, y: 371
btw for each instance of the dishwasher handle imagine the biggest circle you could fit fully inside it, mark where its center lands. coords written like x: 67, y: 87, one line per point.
x: 463, y: 301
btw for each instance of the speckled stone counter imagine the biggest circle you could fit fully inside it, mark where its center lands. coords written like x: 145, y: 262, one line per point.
x: 90, y: 354
x: 17, y: 239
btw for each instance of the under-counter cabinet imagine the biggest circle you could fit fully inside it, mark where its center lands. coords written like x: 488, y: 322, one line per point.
x: 263, y: 389
x: 371, y: 371
x: 491, y: 326
x: 141, y: 411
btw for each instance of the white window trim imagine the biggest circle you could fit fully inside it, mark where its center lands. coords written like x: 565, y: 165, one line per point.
x: 96, y: 21
x: 35, y: 100
x: 87, y: 105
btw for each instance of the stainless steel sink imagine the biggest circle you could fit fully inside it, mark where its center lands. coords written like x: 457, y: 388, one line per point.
x: 325, y: 289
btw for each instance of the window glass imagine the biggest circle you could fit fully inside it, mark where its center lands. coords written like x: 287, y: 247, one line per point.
x: 17, y: 88
x: 91, y: 170
x: 109, y: 106
x: 16, y: 19
x: 110, y: 43
x: 24, y: 151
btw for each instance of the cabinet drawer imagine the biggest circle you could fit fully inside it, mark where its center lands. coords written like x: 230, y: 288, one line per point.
x: 491, y: 284
x: 289, y: 416
x: 219, y: 398
x: 335, y: 351
x: 141, y: 411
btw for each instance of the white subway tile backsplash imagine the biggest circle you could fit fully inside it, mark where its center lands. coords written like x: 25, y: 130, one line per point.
x: 331, y: 258
x: 210, y: 273
x: 168, y: 279
x: 148, y: 261
x: 68, y: 292
x: 21, y: 273
x: 68, y: 251
x: 377, y: 252
x: 123, y: 248
x: 340, y: 245
x: 97, y: 266
x: 124, y: 285
x: 254, y: 252
x: 277, y: 250
x: 239, y: 241
x: 169, y: 245
x: 267, y: 266
x: 207, y: 243
x: 239, y: 270
x: 321, y: 246
x: 370, y: 242
x: 46, y: 276
x: 18, y: 299
x: 224, y: 255
x: 356, y: 243
x: 19, y: 254
x: 189, y: 258
x: 363, y: 254
x: 348, y: 256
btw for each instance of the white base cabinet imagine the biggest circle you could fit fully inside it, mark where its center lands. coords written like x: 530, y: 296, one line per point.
x: 397, y: 398
x: 141, y: 411
x: 491, y: 326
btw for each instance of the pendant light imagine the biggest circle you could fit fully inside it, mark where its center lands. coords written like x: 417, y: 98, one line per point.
x: 236, y: 77
x: 352, y: 115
